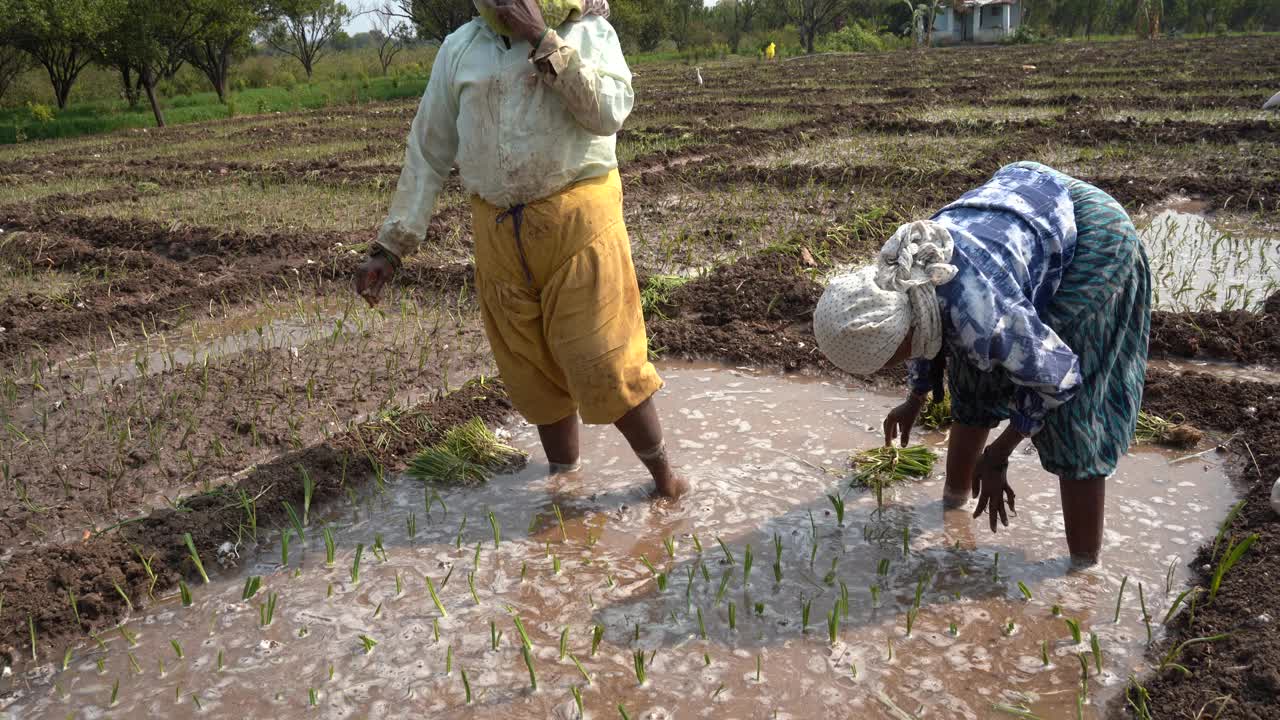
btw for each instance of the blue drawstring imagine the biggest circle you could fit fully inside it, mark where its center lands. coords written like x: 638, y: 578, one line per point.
x: 516, y: 213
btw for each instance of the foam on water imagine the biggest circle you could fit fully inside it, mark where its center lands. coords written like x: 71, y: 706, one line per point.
x: 762, y: 452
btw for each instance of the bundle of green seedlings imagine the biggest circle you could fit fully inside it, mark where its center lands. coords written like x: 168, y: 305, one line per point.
x: 888, y: 466
x: 469, y: 454
x: 937, y: 415
x: 1173, y: 433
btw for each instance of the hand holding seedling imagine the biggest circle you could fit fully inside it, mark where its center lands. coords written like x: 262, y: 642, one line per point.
x: 902, y: 418
x: 524, y: 17
x: 372, y: 275
x: 991, y: 482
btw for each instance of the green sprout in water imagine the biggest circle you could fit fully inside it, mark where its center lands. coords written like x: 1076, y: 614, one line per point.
x: 431, y: 588
x: 837, y: 503
x: 195, y: 556
x: 367, y: 643
x: 528, y: 662
x: 637, y: 658
x: 355, y: 564
x: 1074, y: 626
x: 1119, y: 598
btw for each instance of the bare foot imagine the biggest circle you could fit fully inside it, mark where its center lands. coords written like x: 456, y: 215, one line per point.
x: 673, y: 485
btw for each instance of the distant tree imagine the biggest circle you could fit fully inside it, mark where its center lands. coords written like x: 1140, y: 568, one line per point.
x: 61, y: 35
x: 742, y: 12
x: 391, y: 34
x: 149, y: 37
x: 227, y: 28
x: 13, y: 62
x: 305, y: 28
x: 923, y: 17
x: 435, y: 19
x: 813, y: 17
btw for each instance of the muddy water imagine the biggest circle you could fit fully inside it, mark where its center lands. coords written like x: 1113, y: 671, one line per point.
x: 763, y: 453
x: 1224, y: 370
x: 1199, y: 263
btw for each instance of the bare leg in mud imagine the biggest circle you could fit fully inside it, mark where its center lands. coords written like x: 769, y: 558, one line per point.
x: 643, y: 432
x: 1083, y: 512
x: 964, y: 447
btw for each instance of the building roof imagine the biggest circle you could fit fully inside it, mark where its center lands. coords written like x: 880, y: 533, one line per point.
x: 981, y: 3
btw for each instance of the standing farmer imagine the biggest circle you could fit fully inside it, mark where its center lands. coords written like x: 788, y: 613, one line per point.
x: 528, y: 105
x: 1033, y: 292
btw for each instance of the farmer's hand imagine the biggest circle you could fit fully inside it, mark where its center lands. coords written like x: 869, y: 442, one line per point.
x: 990, y: 479
x: 524, y: 17
x: 901, y: 419
x: 372, y: 276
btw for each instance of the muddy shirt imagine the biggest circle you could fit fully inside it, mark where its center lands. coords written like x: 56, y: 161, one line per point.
x: 521, y: 123
x: 1014, y: 238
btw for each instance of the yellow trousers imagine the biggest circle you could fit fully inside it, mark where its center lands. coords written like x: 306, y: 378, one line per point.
x: 561, y: 305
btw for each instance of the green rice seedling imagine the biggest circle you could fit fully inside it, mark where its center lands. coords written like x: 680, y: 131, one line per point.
x: 466, y: 684
x: 724, y: 585
x: 728, y: 556
x: 495, y: 635
x: 1056, y: 611
x: 1177, y: 603
x: 597, y: 634
x: 377, y: 610
x: 177, y: 648
x: 1230, y: 557
x: 294, y: 520
x: 1119, y: 598
x: 660, y: 578
x: 218, y: 666
x: 669, y: 543
x: 875, y: 596
x: 706, y: 659
x: 1020, y: 711
x: 524, y: 636
x: 1137, y: 698
x: 101, y: 664
x: 733, y: 616
x: 882, y: 568
x: 431, y: 588
x: 185, y: 593
x: 284, y: 547
x: 805, y: 607
x: 702, y: 626
x: 134, y: 665
x: 1168, y: 576
x: 911, y: 619
x: 1146, y: 616
x: 844, y: 600
x: 1224, y: 526
x: 123, y: 595
x: 833, y: 625
x: 448, y: 659
x: 995, y: 569
x: 837, y: 503
x: 195, y: 556
x: 830, y: 577
x: 524, y: 570
x: 435, y: 464
x: 1026, y: 592
x: 953, y: 629
x: 697, y: 544
x: 564, y: 536
x: 355, y: 564
x: 308, y: 492
x: 378, y: 550
x: 1174, y: 433
x: 471, y: 585
x: 1169, y: 661
x: 1044, y: 652
x: 581, y: 670
x: 533, y: 674
x: 937, y: 415
x: 115, y: 693
x: 1074, y: 626
x: 747, y: 561
x: 330, y: 547
x: 577, y: 700
x: 313, y: 699
x: 648, y: 565
x: 411, y: 524
x: 75, y: 607
x: 497, y: 531
x: 564, y: 642
x: 128, y: 636
x: 435, y: 629
x: 66, y: 659
x: 475, y: 559
x: 367, y: 643
x: 777, y: 558
x: 623, y: 712
x: 637, y: 663
x: 885, y: 467
x: 758, y: 663
x: 399, y: 585
x: 267, y: 610
x: 1095, y: 646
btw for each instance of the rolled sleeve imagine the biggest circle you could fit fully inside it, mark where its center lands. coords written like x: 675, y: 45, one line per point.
x: 592, y: 78
x: 429, y: 155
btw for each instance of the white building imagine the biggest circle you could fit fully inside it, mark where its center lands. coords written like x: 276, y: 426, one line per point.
x: 977, y: 21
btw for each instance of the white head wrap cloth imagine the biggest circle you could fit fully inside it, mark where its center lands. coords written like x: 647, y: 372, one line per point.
x: 864, y: 316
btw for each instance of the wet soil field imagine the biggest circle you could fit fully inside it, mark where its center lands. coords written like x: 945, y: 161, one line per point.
x: 179, y: 345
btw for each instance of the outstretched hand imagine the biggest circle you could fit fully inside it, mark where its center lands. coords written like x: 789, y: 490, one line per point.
x: 901, y: 419
x: 372, y: 276
x: 991, y: 487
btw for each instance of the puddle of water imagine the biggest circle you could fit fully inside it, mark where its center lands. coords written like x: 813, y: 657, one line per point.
x: 1199, y: 264
x: 1224, y: 370
x: 752, y: 446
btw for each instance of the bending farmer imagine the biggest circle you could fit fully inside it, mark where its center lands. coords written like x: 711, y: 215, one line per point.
x: 1033, y: 293
x: 528, y: 107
